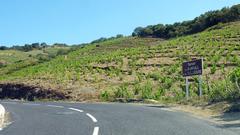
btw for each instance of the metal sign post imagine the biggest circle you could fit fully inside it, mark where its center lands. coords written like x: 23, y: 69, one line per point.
x: 200, y: 81
x: 187, y: 90
x: 192, y: 68
x: 200, y: 85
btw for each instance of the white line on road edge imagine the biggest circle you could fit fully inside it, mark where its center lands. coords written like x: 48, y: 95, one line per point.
x: 74, y: 109
x: 57, y: 106
x: 95, y: 131
x: 2, y: 115
x: 90, y: 116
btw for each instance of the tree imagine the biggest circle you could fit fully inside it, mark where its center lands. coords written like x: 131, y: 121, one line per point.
x: 199, y: 24
x: 27, y: 48
x: 3, y: 48
x: 119, y: 36
x: 137, y: 31
x: 43, y: 45
x: 35, y: 45
x: 146, y: 32
x: 159, y: 30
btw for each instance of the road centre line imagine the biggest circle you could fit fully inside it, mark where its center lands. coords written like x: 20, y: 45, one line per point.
x: 74, y: 109
x: 96, y: 130
x: 57, y: 106
x: 93, y: 118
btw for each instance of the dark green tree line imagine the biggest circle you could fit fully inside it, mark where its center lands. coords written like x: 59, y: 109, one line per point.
x: 198, y: 24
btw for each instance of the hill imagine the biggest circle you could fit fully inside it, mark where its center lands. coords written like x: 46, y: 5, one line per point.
x: 14, y: 59
x: 140, y: 68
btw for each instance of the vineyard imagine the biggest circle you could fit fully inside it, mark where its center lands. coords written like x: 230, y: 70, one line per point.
x: 12, y: 60
x: 141, y: 68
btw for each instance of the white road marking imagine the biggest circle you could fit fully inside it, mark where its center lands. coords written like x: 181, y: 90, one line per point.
x: 90, y: 116
x: 95, y: 131
x: 74, y: 109
x: 56, y: 106
x: 166, y: 109
x: 31, y: 104
x: 9, y: 102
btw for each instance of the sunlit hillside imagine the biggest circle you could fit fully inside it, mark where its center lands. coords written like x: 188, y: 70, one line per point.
x: 138, y: 68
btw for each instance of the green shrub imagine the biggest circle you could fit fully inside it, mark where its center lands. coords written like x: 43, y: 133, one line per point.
x: 223, y: 91
x: 218, y: 93
x: 160, y: 92
x: 216, y: 58
x: 147, y: 90
x: 62, y: 52
x: 178, y: 94
x: 235, y: 59
x: 140, y: 77
x: 155, y: 76
x: 136, y: 89
x: 235, y: 77
x: 123, y: 92
x: 173, y: 69
x: 105, y: 96
x: 42, y: 57
x: 213, y: 69
x: 166, y: 82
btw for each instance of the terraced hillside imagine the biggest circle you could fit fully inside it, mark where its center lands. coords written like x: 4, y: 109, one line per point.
x: 139, y: 68
x: 12, y: 60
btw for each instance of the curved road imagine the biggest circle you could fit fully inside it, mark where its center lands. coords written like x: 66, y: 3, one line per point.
x: 49, y: 118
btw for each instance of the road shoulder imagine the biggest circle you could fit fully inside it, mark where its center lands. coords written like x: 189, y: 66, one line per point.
x: 223, y: 114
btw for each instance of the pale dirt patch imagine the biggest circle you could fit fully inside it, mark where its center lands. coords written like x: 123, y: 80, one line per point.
x: 147, y: 70
x: 125, y: 64
x: 196, y: 111
x: 104, y: 65
x: 160, y: 60
x: 215, y: 113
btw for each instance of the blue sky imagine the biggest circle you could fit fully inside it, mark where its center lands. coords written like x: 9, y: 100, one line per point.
x: 79, y: 21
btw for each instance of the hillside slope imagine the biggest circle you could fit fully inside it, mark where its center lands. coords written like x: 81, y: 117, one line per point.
x: 137, y: 67
x: 12, y: 59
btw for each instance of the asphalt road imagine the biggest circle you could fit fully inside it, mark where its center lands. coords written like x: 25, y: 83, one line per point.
x: 51, y: 118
